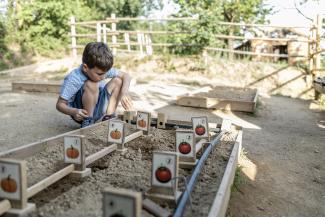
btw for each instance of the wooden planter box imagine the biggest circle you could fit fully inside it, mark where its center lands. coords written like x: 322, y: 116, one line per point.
x: 245, y: 99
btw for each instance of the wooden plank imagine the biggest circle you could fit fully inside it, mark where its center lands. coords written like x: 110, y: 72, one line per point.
x: 33, y: 148
x: 199, y: 145
x: 133, y: 136
x: 155, y: 209
x: 31, y: 191
x: 217, y: 103
x: 319, y: 87
x: 43, y: 87
x: 4, y: 206
x: 220, y: 203
x: 92, y: 158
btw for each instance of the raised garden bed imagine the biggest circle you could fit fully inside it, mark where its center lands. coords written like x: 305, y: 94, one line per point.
x: 221, y: 97
x: 130, y: 170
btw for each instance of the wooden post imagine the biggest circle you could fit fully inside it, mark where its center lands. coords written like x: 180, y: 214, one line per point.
x: 140, y: 42
x: 98, y: 28
x: 127, y: 41
x: 73, y: 37
x: 318, y: 47
x: 104, y: 34
x: 114, y: 38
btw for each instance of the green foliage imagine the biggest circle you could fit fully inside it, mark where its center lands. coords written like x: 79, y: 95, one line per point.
x: 43, y: 26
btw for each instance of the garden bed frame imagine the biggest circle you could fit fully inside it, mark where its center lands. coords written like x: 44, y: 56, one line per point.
x: 219, y: 205
x: 195, y: 100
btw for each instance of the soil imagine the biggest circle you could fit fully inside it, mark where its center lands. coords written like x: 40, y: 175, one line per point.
x: 131, y: 170
x: 282, y: 174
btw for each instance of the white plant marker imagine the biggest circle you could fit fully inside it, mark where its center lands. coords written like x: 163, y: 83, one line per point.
x: 13, y: 178
x: 73, y: 150
x: 200, y: 127
x: 164, y: 176
x: 116, y: 131
x: 144, y: 121
x: 121, y: 202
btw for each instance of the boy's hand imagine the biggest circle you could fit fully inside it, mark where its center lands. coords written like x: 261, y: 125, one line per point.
x: 80, y: 114
x: 126, y: 102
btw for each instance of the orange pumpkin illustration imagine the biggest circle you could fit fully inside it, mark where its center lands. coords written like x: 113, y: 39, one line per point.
x: 142, y: 123
x: 115, y: 134
x: 9, y: 185
x: 72, y: 152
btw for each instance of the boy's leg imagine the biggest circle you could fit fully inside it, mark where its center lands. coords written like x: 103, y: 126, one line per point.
x: 114, y: 89
x: 90, y: 96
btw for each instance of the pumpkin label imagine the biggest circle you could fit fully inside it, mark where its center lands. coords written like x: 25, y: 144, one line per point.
x: 72, y: 149
x: 10, y: 180
x: 116, y: 131
x: 143, y: 121
x: 185, y: 143
x: 200, y: 127
x: 164, y: 169
x: 121, y: 203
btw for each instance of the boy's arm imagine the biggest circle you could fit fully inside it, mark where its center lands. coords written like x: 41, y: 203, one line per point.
x: 125, y: 98
x: 77, y: 114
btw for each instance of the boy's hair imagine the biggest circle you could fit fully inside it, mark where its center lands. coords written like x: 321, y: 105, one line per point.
x: 97, y: 54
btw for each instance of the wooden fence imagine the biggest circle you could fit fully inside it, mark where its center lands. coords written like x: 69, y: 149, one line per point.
x: 107, y: 32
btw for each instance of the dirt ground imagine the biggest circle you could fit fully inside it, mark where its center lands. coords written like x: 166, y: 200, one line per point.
x: 283, y: 169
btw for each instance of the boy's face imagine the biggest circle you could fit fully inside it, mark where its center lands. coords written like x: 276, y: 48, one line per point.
x: 95, y: 74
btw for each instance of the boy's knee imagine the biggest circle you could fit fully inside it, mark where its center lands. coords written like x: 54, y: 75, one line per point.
x: 117, y: 81
x: 92, y: 86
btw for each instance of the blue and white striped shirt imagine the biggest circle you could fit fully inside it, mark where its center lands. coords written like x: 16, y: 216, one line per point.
x: 76, y: 79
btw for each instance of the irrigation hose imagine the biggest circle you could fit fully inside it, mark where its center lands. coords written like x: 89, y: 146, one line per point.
x: 191, y: 184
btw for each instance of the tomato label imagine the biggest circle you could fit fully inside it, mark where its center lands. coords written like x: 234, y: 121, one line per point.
x: 200, y: 127
x: 164, y: 169
x: 185, y: 146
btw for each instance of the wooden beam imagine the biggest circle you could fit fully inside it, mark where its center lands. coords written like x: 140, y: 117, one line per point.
x: 133, y: 136
x: 155, y: 209
x: 31, y: 191
x: 199, y: 145
x: 220, y: 202
x: 4, y: 206
x: 43, y: 87
x: 94, y: 157
x: 33, y: 148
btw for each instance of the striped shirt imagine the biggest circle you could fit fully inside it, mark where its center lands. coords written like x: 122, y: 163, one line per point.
x: 76, y: 79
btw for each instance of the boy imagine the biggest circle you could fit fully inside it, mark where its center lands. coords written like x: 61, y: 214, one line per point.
x: 85, y: 96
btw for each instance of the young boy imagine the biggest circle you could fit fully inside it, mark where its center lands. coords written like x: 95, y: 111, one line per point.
x: 85, y: 96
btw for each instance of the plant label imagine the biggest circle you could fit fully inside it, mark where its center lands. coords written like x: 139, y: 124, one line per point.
x: 73, y: 150
x: 116, y: 131
x: 13, y: 181
x: 143, y: 121
x: 226, y: 125
x: 121, y: 202
x: 161, y: 121
x: 200, y: 127
x: 164, y: 169
x: 185, y: 146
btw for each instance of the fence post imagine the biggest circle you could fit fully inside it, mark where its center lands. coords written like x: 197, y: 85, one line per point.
x: 127, y: 41
x: 148, y: 44
x: 114, y: 38
x: 104, y: 33
x: 140, y: 42
x: 73, y: 37
x: 318, y: 47
x: 98, y: 28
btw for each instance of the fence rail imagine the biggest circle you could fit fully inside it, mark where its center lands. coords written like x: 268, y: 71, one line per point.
x: 144, y: 45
